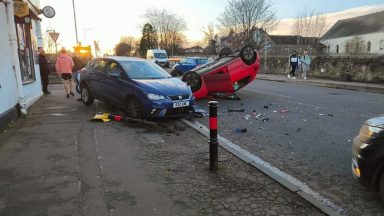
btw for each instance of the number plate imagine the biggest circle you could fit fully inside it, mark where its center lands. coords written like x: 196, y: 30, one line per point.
x: 180, y: 104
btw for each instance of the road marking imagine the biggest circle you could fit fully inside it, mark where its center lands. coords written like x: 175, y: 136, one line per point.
x: 292, y: 183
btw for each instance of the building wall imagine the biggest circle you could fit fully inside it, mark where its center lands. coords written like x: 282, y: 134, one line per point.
x: 8, y: 88
x: 13, y: 91
x: 374, y: 38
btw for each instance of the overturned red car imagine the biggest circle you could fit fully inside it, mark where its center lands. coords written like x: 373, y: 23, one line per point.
x: 225, y: 75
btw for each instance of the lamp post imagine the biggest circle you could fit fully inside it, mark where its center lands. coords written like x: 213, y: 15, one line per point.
x: 74, y: 16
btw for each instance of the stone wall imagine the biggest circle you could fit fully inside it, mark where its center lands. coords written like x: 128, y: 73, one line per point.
x: 363, y: 69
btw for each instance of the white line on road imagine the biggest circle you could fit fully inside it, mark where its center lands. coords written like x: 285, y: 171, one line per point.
x: 283, y: 178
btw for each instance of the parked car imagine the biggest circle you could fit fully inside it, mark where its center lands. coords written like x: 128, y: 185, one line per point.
x: 368, y: 155
x: 158, y: 56
x: 139, y: 87
x: 225, y: 75
x: 187, y: 64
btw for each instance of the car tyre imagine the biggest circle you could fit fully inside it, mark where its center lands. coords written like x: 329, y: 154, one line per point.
x: 86, y: 95
x: 134, y: 108
x: 225, y: 52
x: 248, y: 55
x: 176, y: 73
x: 193, y: 80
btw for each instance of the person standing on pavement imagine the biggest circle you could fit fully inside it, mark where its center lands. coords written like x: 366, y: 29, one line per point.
x: 305, y: 63
x: 44, y: 70
x: 293, y: 62
x: 64, y: 66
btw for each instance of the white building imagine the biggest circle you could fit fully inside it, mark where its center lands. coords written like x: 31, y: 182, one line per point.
x: 369, y: 27
x: 20, y: 37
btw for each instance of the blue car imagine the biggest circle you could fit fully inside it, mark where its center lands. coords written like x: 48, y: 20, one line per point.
x: 139, y: 87
x: 187, y: 64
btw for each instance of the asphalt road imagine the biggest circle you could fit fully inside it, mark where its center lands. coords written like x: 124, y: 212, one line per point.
x: 307, y: 132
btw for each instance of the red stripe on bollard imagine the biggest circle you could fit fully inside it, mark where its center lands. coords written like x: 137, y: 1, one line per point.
x: 213, y: 123
x: 117, y: 118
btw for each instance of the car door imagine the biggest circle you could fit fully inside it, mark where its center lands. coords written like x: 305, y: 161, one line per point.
x: 96, y: 77
x: 189, y: 64
x: 114, y: 85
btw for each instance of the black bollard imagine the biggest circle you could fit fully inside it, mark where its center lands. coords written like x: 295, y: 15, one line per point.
x: 213, y: 142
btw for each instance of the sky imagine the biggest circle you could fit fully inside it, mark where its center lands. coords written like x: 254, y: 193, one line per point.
x: 107, y: 21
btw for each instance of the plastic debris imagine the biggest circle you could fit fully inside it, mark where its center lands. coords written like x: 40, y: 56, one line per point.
x: 265, y: 119
x: 246, y: 117
x: 321, y: 114
x: 241, y: 130
x: 284, y: 110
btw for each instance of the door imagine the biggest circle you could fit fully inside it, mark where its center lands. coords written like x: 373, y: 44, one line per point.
x: 114, y: 86
x: 96, y: 77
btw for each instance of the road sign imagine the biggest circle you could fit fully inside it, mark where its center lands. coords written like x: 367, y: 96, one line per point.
x: 54, y: 36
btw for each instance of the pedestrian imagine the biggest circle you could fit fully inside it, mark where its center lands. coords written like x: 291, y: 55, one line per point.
x: 299, y: 68
x: 305, y: 63
x: 293, y: 62
x: 64, y: 66
x: 44, y: 70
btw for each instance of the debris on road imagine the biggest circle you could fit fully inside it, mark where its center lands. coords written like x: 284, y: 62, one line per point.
x: 241, y: 130
x: 330, y: 114
x: 321, y: 114
x: 236, y: 110
x: 284, y: 110
x: 265, y: 119
x: 246, y: 117
x: 266, y: 107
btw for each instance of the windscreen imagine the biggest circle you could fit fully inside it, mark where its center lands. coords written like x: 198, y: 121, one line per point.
x: 160, y: 55
x: 144, y: 70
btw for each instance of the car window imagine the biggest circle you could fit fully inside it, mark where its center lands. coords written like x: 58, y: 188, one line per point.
x: 114, y: 69
x: 99, y: 66
x: 201, y: 61
x: 160, y: 55
x: 188, y: 61
x: 144, y: 70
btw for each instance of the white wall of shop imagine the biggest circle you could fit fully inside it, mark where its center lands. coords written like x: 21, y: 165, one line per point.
x: 8, y: 90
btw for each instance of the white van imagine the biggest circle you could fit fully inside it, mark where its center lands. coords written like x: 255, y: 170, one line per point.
x: 158, y: 56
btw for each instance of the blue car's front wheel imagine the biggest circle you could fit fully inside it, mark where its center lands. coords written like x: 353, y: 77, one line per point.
x: 134, y: 108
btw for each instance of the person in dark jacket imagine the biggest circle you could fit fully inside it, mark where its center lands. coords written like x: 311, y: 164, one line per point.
x: 44, y: 70
x: 293, y: 63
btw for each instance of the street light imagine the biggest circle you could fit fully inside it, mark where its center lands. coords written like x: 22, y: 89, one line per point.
x: 74, y: 16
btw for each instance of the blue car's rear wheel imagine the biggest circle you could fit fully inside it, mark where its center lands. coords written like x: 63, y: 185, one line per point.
x: 134, y: 108
x: 248, y: 55
x: 86, y: 96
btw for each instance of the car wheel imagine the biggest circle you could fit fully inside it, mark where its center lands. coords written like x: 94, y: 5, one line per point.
x: 176, y: 73
x: 248, y: 55
x: 134, y: 108
x: 381, y: 187
x: 226, y: 51
x: 193, y: 80
x: 86, y: 96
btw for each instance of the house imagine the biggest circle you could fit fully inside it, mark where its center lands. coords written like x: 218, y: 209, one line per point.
x: 194, y: 49
x: 369, y: 27
x: 20, y: 37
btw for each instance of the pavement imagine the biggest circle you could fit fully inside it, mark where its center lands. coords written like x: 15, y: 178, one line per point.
x: 55, y: 161
x: 358, y: 86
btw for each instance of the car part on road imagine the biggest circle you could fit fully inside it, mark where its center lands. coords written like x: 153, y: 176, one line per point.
x: 241, y: 130
x: 236, y: 110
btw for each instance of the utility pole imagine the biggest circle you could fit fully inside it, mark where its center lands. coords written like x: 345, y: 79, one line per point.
x: 74, y: 16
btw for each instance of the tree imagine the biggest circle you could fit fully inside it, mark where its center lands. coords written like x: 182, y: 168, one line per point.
x: 244, y: 17
x: 355, y: 46
x: 148, y: 39
x: 309, y: 24
x: 168, y: 27
x: 209, y: 34
x: 122, y: 49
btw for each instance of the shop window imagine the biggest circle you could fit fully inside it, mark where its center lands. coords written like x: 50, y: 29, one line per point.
x: 25, y: 49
